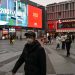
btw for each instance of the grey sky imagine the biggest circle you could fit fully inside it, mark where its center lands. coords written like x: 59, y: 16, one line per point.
x: 45, y: 2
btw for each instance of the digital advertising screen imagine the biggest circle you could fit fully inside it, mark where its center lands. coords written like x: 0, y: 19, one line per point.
x: 13, y: 12
x: 66, y: 27
x: 34, y: 17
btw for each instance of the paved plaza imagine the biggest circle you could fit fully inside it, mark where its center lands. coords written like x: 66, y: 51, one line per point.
x: 57, y: 62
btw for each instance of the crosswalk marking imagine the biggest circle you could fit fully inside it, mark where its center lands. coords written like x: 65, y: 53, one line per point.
x: 62, y: 65
x: 6, y: 56
x: 15, y: 74
x: 8, y: 67
x: 59, y: 63
x: 1, y: 52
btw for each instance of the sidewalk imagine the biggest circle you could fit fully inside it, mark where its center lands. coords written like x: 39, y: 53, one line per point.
x: 57, y: 63
x: 60, y: 64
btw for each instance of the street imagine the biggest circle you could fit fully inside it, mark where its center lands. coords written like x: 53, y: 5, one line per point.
x: 57, y: 62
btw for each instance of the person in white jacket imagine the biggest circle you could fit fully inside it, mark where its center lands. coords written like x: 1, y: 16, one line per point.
x: 63, y: 38
x: 58, y: 42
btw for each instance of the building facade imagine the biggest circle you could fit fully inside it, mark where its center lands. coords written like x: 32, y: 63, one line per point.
x: 8, y: 21
x: 61, y: 16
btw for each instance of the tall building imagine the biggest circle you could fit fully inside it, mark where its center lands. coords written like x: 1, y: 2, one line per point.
x: 61, y: 16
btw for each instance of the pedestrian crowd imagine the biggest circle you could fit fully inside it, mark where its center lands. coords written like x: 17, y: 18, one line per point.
x: 63, y: 41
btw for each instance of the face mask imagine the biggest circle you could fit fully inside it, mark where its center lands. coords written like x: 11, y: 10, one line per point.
x: 29, y: 40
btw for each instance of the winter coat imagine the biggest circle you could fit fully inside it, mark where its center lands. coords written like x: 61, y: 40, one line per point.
x: 63, y: 38
x: 58, y: 40
x: 68, y: 42
x: 49, y: 37
x: 35, y: 59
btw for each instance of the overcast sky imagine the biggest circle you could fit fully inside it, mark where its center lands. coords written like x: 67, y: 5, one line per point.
x: 45, y: 2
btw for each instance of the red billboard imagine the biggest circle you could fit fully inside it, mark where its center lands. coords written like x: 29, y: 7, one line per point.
x: 34, y: 17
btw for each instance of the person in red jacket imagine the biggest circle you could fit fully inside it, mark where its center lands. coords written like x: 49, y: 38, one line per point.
x: 33, y: 56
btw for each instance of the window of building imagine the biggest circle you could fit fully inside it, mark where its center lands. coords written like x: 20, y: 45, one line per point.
x: 56, y: 8
x: 47, y: 16
x: 59, y: 14
x: 52, y: 8
x: 66, y: 6
x: 61, y: 7
x: 72, y: 6
x: 47, y: 9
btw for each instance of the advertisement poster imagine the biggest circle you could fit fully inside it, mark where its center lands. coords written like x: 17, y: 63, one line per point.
x: 34, y: 17
x: 13, y: 12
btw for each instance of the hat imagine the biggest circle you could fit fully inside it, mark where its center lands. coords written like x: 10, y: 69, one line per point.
x: 30, y: 34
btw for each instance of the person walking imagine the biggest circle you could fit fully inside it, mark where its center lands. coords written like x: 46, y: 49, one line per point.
x: 73, y: 37
x: 68, y: 45
x: 33, y: 56
x: 63, y: 38
x: 58, y: 42
x: 49, y: 38
x: 11, y: 39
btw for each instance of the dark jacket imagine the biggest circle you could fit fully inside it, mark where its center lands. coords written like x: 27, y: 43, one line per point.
x: 35, y: 59
x: 49, y: 37
x: 68, y: 42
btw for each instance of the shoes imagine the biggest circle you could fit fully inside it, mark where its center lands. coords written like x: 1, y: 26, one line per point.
x: 67, y: 55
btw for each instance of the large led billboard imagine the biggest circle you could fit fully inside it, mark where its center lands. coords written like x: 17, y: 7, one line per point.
x: 13, y: 12
x: 34, y: 17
